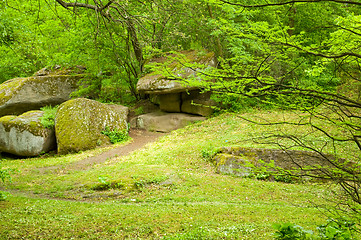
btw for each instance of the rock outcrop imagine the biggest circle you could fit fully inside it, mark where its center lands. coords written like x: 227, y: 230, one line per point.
x: 79, y: 123
x: 164, y: 122
x: 240, y: 161
x: 25, y: 135
x: 46, y: 87
x: 177, y: 96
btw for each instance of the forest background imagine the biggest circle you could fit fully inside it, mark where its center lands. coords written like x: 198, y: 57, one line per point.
x: 295, y: 55
x: 114, y: 40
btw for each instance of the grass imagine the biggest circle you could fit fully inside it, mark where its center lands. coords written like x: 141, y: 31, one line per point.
x: 164, y: 191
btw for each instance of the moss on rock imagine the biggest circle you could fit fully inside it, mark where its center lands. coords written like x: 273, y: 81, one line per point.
x: 29, y: 121
x: 24, y: 94
x: 24, y: 135
x: 79, y: 123
x: 154, y: 83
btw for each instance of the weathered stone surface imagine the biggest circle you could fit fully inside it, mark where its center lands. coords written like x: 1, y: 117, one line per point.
x: 58, y: 70
x: 233, y: 165
x: 170, y: 102
x: 241, y: 161
x: 79, y: 123
x: 122, y: 110
x: 153, y: 98
x: 47, y: 88
x: 158, y: 84
x: 164, y: 122
x: 25, y: 136
x: 194, y: 102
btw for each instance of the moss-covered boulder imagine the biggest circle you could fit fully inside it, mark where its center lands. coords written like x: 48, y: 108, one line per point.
x: 46, y: 87
x: 79, y: 123
x: 25, y: 135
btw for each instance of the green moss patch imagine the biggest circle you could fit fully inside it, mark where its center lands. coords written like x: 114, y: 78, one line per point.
x: 29, y: 121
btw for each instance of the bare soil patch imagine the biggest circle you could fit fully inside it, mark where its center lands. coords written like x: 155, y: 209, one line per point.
x: 140, y: 139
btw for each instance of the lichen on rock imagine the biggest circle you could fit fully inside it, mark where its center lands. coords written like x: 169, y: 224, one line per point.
x: 79, y: 123
x: 164, y: 122
x: 20, y: 95
x: 179, y: 92
x: 155, y: 83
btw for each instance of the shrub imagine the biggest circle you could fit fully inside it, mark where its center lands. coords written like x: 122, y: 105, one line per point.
x: 288, y: 231
x: 48, y: 118
x: 340, y: 229
x: 208, y: 153
x: 116, y: 135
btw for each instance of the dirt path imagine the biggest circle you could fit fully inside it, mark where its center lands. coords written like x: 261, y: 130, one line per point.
x: 140, y: 139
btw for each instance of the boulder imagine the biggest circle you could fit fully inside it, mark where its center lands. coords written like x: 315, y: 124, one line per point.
x: 241, y: 161
x: 194, y: 102
x: 25, y: 135
x: 46, y: 87
x: 154, y: 83
x: 164, y: 122
x: 157, y: 84
x: 170, y: 102
x: 79, y: 123
x: 170, y: 93
x: 120, y: 109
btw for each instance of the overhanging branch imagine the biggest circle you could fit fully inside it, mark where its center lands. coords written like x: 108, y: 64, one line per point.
x: 288, y: 3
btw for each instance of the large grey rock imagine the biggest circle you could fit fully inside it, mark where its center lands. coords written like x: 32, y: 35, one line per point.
x: 240, y: 161
x: 154, y: 83
x: 194, y: 102
x: 45, y: 88
x: 164, y: 122
x: 25, y: 135
x: 79, y: 123
x: 178, y: 95
x: 123, y: 111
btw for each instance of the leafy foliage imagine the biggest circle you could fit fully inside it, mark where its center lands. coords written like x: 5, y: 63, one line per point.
x: 4, y: 174
x: 302, y: 56
x: 48, y: 118
x: 116, y: 135
x: 290, y: 231
x: 334, y: 229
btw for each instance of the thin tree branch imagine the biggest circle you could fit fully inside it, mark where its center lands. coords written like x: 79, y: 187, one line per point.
x: 288, y: 3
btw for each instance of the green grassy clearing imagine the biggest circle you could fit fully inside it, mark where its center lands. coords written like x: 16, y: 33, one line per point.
x: 166, y: 190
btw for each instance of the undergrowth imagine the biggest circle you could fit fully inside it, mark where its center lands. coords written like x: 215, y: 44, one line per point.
x: 116, y: 135
x: 48, y: 118
x: 166, y: 190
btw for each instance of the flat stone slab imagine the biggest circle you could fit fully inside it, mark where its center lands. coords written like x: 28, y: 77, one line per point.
x: 164, y: 122
x: 154, y: 83
x: 20, y: 95
x: 240, y: 161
